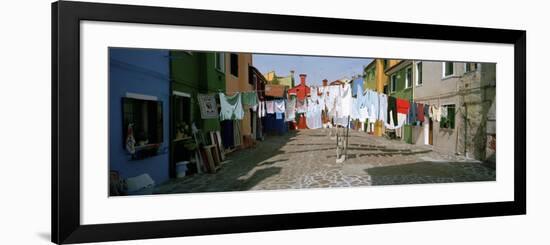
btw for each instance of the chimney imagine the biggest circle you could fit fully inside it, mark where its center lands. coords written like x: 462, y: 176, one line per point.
x: 325, y: 82
x: 303, y: 79
x: 292, y: 77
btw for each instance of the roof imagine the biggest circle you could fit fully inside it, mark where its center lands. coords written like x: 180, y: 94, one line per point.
x: 372, y: 63
x: 275, y: 90
x: 272, y: 78
x: 258, y: 73
x: 397, y: 66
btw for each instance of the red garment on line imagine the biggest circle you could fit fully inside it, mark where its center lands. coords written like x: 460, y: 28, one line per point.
x: 302, y: 122
x: 420, y: 112
x: 402, y: 106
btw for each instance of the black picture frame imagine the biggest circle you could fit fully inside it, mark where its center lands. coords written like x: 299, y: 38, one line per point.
x: 66, y: 18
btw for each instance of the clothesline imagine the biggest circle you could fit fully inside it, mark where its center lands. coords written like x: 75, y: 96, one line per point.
x: 337, y: 102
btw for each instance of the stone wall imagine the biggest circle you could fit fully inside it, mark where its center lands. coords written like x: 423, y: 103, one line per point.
x: 476, y: 90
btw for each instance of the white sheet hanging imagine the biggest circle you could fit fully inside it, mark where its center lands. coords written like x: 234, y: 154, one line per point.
x: 279, y: 106
x: 290, y: 110
x: 313, y: 115
x: 383, y: 107
x: 347, y: 102
x: 399, y: 124
x: 231, y: 107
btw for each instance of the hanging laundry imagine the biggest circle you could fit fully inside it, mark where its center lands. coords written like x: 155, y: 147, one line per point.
x: 392, y: 109
x: 337, y: 110
x: 331, y: 99
x: 373, y: 106
x: 401, y: 117
x: 301, y: 106
x: 346, y: 101
x: 279, y: 106
x: 355, y: 109
x: 278, y: 115
x: 302, y: 122
x: 342, y: 121
x: 411, y: 115
x: 231, y: 107
x: 314, y: 95
x: 361, y: 105
x: 435, y: 113
x: 227, y: 128
x: 261, y: 109
x: 322, y: 98
x: 383, y: 104
x: 290, y: 111
x: 237, y: 132
x: 270, y: 107
x: 397, y: 123
x: 420, y: 112
x: 402, y: 106
x: 426, y: 111
x: 249, y: 99
x: 313, y: 115
x: 356, y: 84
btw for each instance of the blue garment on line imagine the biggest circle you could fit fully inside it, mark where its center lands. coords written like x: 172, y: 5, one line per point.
x: 356, y: 84
x: 411, y: 117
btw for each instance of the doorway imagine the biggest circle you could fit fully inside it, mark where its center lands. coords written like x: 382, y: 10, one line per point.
x: 180, y: 130
x: 428, y: 133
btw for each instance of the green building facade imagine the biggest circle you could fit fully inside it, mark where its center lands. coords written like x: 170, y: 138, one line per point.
x: 398, y: 88
x: 369, y: 76
x: 198, y: 72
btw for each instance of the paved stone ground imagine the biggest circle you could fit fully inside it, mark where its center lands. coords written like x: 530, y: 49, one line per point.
x: 307, y: 159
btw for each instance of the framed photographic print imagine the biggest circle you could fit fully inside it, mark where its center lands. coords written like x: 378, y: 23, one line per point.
x: 177, y: 122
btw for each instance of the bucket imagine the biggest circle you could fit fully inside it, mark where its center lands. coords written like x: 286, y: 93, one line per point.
x: 181, y: 169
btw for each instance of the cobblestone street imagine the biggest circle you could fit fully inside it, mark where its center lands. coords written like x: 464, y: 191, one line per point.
x: 307, y: 159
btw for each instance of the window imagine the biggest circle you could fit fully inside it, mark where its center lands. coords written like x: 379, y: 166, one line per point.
x: 220, y: 61
x: 418, y: 73
x: 234, y: 63
x: 370, y: 75
x: 142, y: 130
x: 448, y: 113
x: 182, y: 115
x: 393, y: 83
x: 408, y: 77
x: 468, y: 67
x: 448, y: 69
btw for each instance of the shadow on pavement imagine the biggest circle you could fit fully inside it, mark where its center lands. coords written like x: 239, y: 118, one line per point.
x: 237, y: 173
x: 431, y: 172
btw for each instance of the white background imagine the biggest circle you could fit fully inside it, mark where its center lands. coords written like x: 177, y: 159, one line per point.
x: 97, y: 208
x: 25, y: 123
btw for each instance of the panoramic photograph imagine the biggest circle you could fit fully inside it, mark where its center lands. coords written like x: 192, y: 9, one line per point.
x: 186, y: 121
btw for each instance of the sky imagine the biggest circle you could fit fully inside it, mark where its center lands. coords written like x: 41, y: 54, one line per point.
x: 317, y: 68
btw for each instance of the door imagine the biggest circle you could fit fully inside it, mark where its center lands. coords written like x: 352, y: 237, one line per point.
x: 180, y: 125
x: 431, y: 132
x: 426, y: 133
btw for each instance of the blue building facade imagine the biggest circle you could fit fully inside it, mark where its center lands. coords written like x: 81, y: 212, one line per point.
x: 143, y: 75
